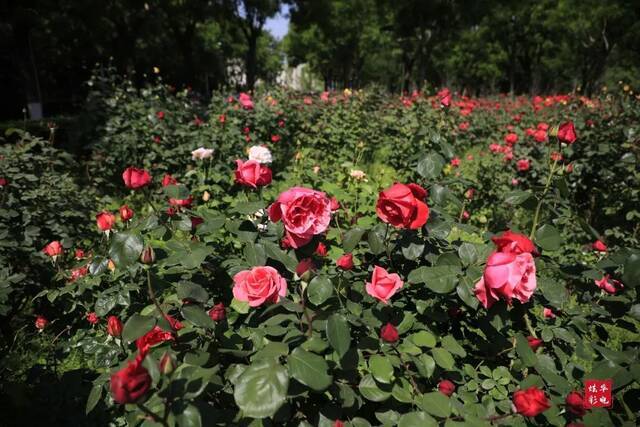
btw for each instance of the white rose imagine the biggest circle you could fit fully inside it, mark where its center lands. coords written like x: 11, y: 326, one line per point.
x: 260, y: 154
x: 202, y: 153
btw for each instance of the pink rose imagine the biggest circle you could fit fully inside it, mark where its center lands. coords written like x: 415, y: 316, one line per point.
x: 135, y: 178
x: 246, y: 101
x: 252, y: 173
x: 383, y: 285
x: 609, y: 285
x: 523, y: 165
x: 259, y: 285
x: 548, y: 313
x: 304, y: 213
x: 507, y: 275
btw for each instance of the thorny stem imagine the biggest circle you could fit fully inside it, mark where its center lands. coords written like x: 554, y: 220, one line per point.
x: 307, y: 316
x: 386, y: 243
x: 157, y: 418
x: 152, y: 295
x: 527, y: 321
x: 536, y: 216
x: 408, y: 371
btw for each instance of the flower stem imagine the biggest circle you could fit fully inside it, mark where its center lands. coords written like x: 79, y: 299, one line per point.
x: 536, y: 216
x: 152, y: 295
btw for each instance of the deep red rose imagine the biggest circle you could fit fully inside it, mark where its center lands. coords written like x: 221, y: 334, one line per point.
x: 79, y: 254
x: 403, y: 206
x: 530, y: 402
x: 3, y: 182
x: 335, y: 204
x: 181, y: 203
x: 575, y: 403
x: 321, y: 250
x: 135, y: 178
x: 345, y: 262
x: 534, y: 343
x: 523, y: 165
x: 168, y: 180
x: 218, y: 312
x: 305, y: 265
x: 275, y: 138
x: 160, y: 115
x: 389, y: 333
x: 252, y: 173
x: 446, y: 387
x: 126, y: 213
x: 567, y: 133
x: 131, y: 383
x: 114, y: 326
x: 599, y: 246
x: 155, y: 336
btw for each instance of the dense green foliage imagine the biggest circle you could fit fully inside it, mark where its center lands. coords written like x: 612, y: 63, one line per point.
x: 316, y: 356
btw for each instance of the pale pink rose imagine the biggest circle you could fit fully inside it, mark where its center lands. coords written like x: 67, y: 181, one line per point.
x: 383, y: 285
x: 304, y: 213
x: 507, y: 276
x: 609, y: 285
x: 259, y: 285
x: 548, y: 313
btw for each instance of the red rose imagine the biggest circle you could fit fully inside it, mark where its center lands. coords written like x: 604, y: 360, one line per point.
x: 155, y: 336
x: 92, y: 318
x: 567, y: 133
x: 389, y: 333
x: 338, y: 423
x: 41, y: 322
x: 534, y: 343
x: 114, y: 326
x: 345, y: 262
x: 78, y: 273
x: 160, y: 115
x: 513, y: 242
x: 173, y: 322
x: 259, y: 285
x: 335, y: 204
x: 168, y: 180
x: 275, y: 138
x: 446, y: 387
x: 599, y: 246
x: 105, y: 220
x: 511, y: 138
x: 53, y: 249
x: 455, y: 162
x: 182, y: 203
x: 79, y: 254
x: 609, y: 285
x: 222, y: 118
x: 575, y: 403
x: 126, y: 213
x: 252, y: 173
x: 523, y: 165
x: 530, y: 402
x: 218, y: 312
x: 321, y: 250
x: 305, y: 265
x: 131, y: 383
x: 540, y: 135
x: 135, y: 178
x: 444, y: 96
x: 3, y: 182
x: 403, y: 206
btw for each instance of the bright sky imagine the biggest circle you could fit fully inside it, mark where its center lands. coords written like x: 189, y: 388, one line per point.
x: 279, y: 25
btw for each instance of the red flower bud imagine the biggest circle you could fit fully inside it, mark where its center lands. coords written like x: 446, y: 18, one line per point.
x: 131, y: 383
x: 218, y: 312
x: 148, y: 255
x: 92, y: 318
x: 41, y: 322
x: 530, y: 402
x: 114, y: 326
x: 126, y: 213
x: 345, y: 262
x: 389, y: 333
x: 534, y: 343
x: 446, y: 387
x: 575, y: 403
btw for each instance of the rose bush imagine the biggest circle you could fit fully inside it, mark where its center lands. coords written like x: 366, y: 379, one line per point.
x: 320, y: 296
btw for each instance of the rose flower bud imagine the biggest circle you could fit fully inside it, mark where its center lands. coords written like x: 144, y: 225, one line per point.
x: 389, y: 333
x: 446, y: 387
x: 126, y: 213
x: 218, y: 312
x: 148, y: 255
x: 131, y: 383
x: 530, y: 402
x: 575, y: 403
x: 345, y: 262
x: 114, y: 326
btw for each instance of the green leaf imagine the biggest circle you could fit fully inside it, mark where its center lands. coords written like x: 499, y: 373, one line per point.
x: 94, y: 397
x: 189, y: 417
x: 517, y: 197
x: 370, y: 390
x: 274, y: 252
x: 338, y: 334
x: 425, y: 364
x: 443, y: 358
x: 452, y: 346
x: 402, y: 391
x: 254, y: 254
x: 381, y: 368
x: 248, y: 208
x: 352, y: 238
x: 525, y: 353
x: 631, y: 276
x: 309, y: 369
x: 468, y: 253
x: 241, y: 307
x: 423, y: 339
x: 319, y: 290
x: 262, y: 388
x: 441, y: 279
x: 126, y: 248
x: 417, y: 419
x: 376, y: 241
x: 179, y: 192
x: 196, y: 315
x: 104, y: 304
x: 548, y: 238
x: 436, y: 404
x: 136, y: 326
x: 430, y: 166
x: 193, y: 292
